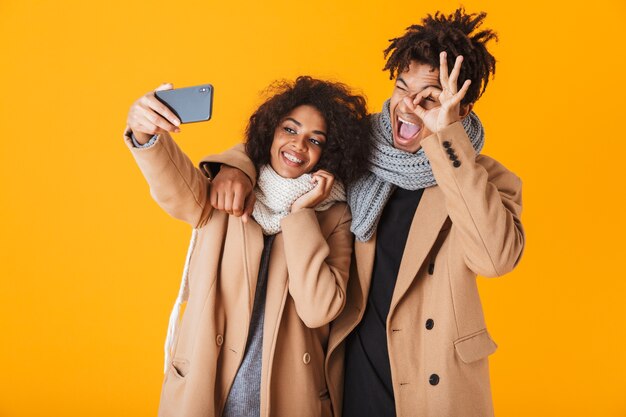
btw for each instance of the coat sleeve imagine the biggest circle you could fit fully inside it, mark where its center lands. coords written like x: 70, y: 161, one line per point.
x: 175, y: 183
x: 318, y: 268
x: 235, y: 157
x: 483, y: 199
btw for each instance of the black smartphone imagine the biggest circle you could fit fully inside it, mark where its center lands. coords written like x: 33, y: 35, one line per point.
x: 189, y: 104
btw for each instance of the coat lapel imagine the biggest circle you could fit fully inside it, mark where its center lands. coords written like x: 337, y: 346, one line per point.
x: 365, y: 252
x: 429, y: 217
x: 253, y: 248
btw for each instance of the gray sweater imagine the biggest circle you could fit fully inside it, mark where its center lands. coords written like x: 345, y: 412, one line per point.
x: 244, y: 399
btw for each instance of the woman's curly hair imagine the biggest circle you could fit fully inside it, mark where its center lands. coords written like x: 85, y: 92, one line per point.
x: 456, y: 34
x: 347, y: 148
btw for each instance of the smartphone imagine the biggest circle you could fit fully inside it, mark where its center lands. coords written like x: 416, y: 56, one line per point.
x: 189, y: 104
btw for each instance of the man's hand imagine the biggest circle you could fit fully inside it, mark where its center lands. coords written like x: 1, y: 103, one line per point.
x: 449, y: 110
x: 231, y: 191
x: 324, y: 183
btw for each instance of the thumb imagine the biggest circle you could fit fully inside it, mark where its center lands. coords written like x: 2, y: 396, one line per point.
x: 415, y: 108
x: 165, y: 86
x: 248, y: 207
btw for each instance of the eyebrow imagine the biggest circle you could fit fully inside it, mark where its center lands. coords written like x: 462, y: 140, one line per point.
x: 407, y: 86
x: 403, y: 82
x: 318, y: 132
x: 294, y: 120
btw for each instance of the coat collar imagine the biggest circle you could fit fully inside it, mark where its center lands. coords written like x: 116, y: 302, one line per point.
x: 429, y: 217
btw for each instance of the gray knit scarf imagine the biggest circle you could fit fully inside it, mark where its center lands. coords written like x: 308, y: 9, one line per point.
x: 391, y: 168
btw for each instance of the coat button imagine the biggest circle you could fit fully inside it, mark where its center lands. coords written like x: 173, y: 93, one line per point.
x: 306, y: 358
x: 456, y: 163
x: 219, y: 340
x: 450, y: 151
x: 447, y: 144
x: 430, y: 323
x: 453, y: 157
x: 434, y: 379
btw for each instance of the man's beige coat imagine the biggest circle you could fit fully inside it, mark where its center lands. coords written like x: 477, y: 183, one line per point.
x: 467, y: 225
x: 308, y: 272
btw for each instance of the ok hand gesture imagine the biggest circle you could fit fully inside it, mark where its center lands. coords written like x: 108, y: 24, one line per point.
x: 449, y: 110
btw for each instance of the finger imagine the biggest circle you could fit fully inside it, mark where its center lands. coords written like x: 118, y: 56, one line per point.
x: 228, y: 201
x: 150, y: 102
x: 238, y: 203
x: 322, y: 173
x: 420, y: 111
x: 454, y: 75
x: 156, y: 119
x: 148, y: 128
x: 443, y: 68
x: 162, y: 110
x: 220, y: 201
x: 164, y: 86
x: 249, y: 206
x: 456, y: 99
x: 433, y: 92
x: 461, y: 94
x: 329, y: 186
x: 417, y: 109
x: 213, y: 196
x: 321, y: 181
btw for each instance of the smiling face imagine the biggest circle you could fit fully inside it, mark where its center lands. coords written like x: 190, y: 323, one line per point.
x: 298, y: 142
x: 408, y: 129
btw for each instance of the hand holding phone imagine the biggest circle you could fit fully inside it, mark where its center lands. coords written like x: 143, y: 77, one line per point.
x: 150, y: 115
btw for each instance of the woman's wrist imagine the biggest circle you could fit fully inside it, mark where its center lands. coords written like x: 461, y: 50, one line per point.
x: 142, y: 138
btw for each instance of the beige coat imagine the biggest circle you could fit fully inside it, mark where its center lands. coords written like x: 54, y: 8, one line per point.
x: 308, y: 271
x: 467, y: 225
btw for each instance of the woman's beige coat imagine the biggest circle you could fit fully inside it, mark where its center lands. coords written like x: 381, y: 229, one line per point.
x: 467, y: 225
x: 308, y: 272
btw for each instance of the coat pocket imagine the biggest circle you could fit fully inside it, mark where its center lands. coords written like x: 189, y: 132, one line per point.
x: 180, y: 367
x: 475, y: 346
x: 327, y: 410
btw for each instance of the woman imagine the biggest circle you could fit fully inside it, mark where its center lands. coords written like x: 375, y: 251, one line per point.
x: 260, y: 294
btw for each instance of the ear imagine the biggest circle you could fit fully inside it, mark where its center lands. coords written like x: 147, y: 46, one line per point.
x: 465, y: 110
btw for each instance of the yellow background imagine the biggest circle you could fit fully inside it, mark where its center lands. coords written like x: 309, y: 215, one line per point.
x: 90, y: 266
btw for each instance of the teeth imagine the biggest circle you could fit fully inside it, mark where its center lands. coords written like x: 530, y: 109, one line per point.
x: 292, y: 158
x: 404, y: 121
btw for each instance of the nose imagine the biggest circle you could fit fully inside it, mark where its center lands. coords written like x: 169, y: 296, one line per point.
x: 299, y: 143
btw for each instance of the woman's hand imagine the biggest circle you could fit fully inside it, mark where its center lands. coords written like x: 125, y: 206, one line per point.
x: 319, y: 193
x: 148, y: 116
x: 449, y: 110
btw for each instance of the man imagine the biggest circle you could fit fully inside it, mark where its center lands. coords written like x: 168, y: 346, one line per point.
x: 432, y: 214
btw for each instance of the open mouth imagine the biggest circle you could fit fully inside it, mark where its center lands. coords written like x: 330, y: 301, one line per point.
x: 292, y: 159
x: 406, y: 130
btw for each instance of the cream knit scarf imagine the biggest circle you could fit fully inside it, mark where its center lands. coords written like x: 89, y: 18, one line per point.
x: 275, y: 195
